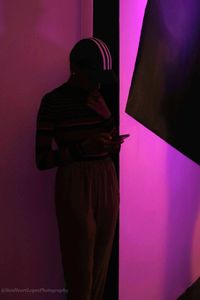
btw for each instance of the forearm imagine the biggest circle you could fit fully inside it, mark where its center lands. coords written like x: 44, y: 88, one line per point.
x: 47, y: 159
x: 53, y: 158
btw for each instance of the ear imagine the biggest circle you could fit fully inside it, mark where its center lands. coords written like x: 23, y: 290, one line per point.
x: 71, y: 65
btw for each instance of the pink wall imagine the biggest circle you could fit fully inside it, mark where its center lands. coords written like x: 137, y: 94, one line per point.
x: 36, y: 37
x: 86, y: 18
x: 160, y: 195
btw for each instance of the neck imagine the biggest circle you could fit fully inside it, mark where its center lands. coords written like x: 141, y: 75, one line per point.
x: 83, y: 84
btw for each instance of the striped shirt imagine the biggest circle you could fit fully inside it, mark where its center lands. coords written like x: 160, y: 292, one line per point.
x: 67, y: 115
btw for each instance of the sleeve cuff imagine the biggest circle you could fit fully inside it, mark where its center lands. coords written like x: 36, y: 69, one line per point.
x: 58, y: 159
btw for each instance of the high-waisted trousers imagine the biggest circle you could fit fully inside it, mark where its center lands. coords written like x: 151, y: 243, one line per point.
x: 87, y: 207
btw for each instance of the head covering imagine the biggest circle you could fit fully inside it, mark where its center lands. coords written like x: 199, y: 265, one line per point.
x: 93, y: 55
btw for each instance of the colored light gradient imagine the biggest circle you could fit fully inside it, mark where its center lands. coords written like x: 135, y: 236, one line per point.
x: 36, y: 37
x: 160, y: 195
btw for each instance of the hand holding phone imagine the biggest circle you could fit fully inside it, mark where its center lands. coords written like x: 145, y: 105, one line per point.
x: 120, y: 137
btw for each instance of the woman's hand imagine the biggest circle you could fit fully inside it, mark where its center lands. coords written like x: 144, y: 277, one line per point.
x: 101, y: 143
x: 114, y: 146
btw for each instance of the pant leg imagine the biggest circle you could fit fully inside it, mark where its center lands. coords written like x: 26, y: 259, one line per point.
x: 77, y: 228
x: 87, y: 200
x: 106, y: 214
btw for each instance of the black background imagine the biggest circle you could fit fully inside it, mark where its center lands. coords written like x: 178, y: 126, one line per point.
x: 106, y: 27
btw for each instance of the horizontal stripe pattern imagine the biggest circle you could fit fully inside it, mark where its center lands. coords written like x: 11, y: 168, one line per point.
x: 64, y: 116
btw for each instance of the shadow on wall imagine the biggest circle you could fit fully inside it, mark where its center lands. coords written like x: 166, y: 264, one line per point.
x: 36, y: 37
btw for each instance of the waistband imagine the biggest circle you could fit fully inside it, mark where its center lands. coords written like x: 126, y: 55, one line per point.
x: 90, y: 158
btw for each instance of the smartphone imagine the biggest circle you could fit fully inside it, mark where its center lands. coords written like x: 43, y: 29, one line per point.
x: 120, y: 137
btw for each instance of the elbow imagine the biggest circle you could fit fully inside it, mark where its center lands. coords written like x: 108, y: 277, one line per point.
x: 40, y: 165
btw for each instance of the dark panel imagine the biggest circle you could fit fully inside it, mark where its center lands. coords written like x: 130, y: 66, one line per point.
x: 106, y: 27
x: 192, y: 293
x: 165, y: 88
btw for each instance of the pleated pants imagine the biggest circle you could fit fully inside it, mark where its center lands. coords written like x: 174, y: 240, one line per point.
x: 87, y: 207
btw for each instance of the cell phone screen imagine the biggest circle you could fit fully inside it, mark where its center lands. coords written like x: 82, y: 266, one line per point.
x: 124, y: 136
x: 120, y: 137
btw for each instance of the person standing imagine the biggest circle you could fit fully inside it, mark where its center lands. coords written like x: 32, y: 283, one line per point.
x: 76, y: 116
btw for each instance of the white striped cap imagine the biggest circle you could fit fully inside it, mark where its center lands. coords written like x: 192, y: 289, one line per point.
x: 106, y: 56
x: 93, y: 54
